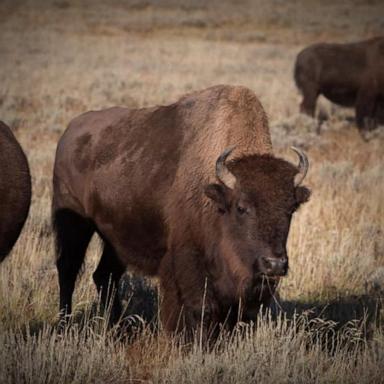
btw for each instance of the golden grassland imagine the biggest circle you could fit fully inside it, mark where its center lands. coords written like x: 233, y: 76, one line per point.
x: 61, y: 58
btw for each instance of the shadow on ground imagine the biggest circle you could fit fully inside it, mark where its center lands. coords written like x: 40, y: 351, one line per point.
x: 362, y: 311
x: 140, y: 299
x: 342, y: 310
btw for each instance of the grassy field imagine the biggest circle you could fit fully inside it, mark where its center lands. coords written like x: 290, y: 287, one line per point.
x: 60, y: 58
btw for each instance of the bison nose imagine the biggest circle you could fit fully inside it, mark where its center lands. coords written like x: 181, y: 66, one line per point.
x: 276, y: 266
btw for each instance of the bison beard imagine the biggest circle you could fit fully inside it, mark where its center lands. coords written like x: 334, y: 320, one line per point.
x: 145, y: 181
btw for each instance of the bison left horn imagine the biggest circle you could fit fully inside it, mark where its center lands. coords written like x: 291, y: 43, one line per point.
x: 303, y: 166
x: 222, y: 172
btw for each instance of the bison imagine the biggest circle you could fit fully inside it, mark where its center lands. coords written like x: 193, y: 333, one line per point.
x: 351, y: 75
x: 158, y: 187
x: 15, y: 190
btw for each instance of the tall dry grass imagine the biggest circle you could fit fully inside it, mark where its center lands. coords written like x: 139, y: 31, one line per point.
x: 61, y: 58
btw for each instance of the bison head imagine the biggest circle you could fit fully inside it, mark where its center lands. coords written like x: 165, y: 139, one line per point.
x: 256, y: 197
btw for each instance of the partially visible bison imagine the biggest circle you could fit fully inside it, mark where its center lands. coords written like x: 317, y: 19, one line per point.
x: 157, y: 186
x: 351, y: 75
x: 15, y: 190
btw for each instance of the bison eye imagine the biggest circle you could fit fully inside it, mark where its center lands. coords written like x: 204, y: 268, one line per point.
x: 241, y: 210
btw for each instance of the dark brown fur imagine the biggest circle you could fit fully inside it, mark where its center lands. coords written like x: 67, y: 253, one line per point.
x: 145, y: 181
x: 351, y: 75
x: 15, y: 190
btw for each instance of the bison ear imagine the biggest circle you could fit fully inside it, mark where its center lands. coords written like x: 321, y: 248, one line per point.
x: 217, y: 193
x: 302, y: 194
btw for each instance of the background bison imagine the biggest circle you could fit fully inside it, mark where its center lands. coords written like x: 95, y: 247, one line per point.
x: 15, y: 190
x: 351, y: 75
x: 137, y: 177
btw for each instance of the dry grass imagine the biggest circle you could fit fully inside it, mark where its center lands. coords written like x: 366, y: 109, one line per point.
x: 61, y: 58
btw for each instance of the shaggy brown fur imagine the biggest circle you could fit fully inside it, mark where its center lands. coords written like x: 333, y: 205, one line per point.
x: 15, y: 190
x: 145, y: 181
x: 351, y: 75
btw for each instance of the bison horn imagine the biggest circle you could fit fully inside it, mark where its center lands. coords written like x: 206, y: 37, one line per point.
x: 222, y: 172
x: 303, y: 166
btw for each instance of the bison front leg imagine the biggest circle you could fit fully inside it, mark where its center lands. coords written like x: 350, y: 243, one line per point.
x: 171, y: 310
x: 106, y: 278
x: 379, y: 111
x: 192, y: 323
x: 186, y: 303
x: 365, y: 109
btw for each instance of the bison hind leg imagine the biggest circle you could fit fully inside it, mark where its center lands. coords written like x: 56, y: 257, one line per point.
x: 106, y: 278
x: 73, y: 234
x: 308, y: 104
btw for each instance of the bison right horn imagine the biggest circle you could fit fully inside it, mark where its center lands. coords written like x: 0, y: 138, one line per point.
x: 222, y: 172
x: 303, y: 166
